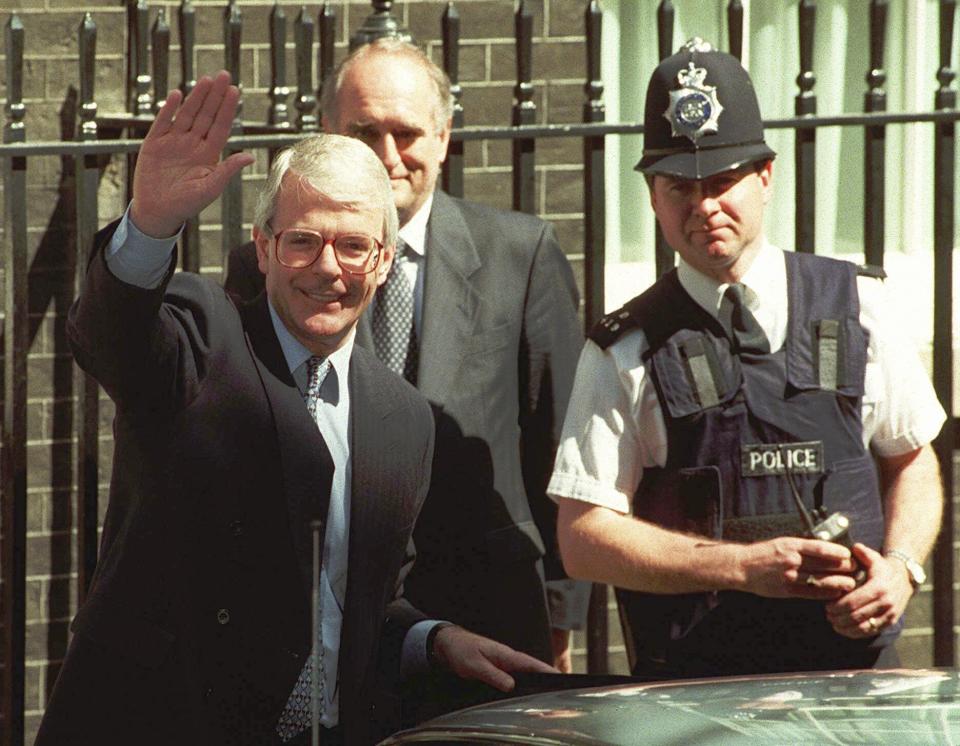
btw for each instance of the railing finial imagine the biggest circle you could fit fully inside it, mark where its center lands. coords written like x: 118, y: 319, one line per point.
x: 665, y: 15
x: 14, y: 131
x: 187, y: 22
x: 735, y: 28
x: 279, y: 113
x: 306, y: 102
x: 450, y: 31
x: 946, y: 97
x: 160, y: 55
x: 87, y: 129
x: 142, y: 99
x: 379, y: 24
x: 232, y: 31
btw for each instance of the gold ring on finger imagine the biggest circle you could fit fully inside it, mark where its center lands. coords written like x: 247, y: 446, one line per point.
x: 873, y: 624
x: 812, y: 581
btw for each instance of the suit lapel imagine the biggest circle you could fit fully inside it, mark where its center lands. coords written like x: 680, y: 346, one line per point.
x: 365, y: 330
x: 373, y: 517
x: 306, y: 465
x: 450, y: 301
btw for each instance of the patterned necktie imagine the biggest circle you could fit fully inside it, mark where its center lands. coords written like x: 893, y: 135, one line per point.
x: 741, y: 325
x: 298, y: 712
x: 394, y: 332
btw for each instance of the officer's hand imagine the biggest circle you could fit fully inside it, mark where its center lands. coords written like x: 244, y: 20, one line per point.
x: 472, y: 656
x: 179, y: 171
x: 876, y: 604
x: 790, y: 567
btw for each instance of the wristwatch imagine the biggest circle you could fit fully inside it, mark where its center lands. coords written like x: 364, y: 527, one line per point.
x: 914, y: 569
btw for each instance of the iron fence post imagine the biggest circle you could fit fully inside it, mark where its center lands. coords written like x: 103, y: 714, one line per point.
x: 944, y: 204
x: 663, y: 255
x: 453, y: 166
x: 805, y: 152
x: 16, y: 336
x: 875, y: 139
x: 524, y: 112
x: 87, y: 392
x: 594, y: 257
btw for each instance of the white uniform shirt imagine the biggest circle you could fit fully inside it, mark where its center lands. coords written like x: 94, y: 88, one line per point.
x: 614, y: 426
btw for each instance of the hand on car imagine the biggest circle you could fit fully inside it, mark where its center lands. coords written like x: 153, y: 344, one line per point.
x: 471, y: 656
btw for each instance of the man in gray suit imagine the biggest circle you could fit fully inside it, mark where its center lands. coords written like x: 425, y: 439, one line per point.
x: 491, y: 338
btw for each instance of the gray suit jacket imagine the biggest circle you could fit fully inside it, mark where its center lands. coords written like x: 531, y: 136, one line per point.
x: 500, y: 340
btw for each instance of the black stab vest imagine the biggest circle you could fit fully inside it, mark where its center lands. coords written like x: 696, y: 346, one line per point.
x: 735, y: 425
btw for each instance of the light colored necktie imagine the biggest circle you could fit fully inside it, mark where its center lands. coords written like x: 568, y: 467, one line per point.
x: 394, y: 331
x: 297, y: 713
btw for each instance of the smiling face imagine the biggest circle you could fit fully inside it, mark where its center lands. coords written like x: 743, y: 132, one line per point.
x: 716, y: 223
x: 388, y: 101
x: 319, y: 304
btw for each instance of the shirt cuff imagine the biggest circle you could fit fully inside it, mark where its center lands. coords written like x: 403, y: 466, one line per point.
x: 415, y: 655
x: 136, y: 258
x: 569, y: 601
x: 918, y: 437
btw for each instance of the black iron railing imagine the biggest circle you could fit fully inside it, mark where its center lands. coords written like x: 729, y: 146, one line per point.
x: 102, y: 134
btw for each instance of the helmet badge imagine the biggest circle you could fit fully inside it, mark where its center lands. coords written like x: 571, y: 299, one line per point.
x: 694, y: 107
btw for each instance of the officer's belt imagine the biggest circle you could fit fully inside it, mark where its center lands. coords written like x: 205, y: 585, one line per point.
x: 761, y: 527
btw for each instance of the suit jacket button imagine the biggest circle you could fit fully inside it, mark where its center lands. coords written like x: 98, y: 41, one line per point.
x: 223, y: 616
x: 236, y: 528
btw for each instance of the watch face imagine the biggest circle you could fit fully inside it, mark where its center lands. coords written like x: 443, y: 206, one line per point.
x: 914, y: 569
x: 916, y: 572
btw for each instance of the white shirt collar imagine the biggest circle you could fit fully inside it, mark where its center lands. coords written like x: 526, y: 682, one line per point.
x: 414, y: 233
x: 766, y: 277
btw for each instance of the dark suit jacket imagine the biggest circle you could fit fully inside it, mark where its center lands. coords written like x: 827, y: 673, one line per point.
x: 499, y: 347
x: 198, y: 619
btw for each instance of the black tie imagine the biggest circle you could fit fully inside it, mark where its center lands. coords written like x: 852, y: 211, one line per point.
x: 741, y: 325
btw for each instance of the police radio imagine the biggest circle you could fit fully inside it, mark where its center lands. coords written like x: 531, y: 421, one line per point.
x: 834, y: 527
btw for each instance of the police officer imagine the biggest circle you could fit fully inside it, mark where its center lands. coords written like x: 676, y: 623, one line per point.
x: 744, y: 381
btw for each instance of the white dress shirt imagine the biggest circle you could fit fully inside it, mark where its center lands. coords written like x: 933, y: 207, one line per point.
x: 614, y: 426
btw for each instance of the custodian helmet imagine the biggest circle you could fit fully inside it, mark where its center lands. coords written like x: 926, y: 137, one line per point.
x: 701, y: 115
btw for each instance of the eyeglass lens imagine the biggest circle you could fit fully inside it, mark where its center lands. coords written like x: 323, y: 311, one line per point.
x: 301, y: 248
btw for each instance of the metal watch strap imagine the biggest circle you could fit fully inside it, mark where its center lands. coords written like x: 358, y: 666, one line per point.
x: 914, y: 568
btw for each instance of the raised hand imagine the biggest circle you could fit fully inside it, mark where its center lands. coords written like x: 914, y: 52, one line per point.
x: 179, y: 171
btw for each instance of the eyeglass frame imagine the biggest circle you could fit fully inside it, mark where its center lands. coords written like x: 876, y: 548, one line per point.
x: 326, y: 242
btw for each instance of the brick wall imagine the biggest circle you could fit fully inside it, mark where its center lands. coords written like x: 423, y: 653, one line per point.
x: 487, y: 72
x: 50, y: 94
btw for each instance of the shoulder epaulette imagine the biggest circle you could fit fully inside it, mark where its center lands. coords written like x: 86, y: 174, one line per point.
x: 871, y: 270
x: 609, y: 329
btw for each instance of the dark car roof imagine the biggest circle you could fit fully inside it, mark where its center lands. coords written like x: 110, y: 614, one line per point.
x: 903, y: 706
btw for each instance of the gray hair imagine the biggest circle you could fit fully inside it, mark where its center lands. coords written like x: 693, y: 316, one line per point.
x: 443, y: 111
x: 342, y: 169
